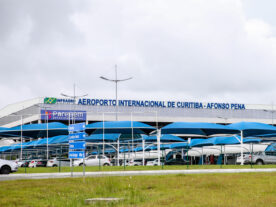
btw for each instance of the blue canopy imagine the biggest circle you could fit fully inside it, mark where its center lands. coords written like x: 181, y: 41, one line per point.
x: 164, y: 138
x: 123, y: 127
x: 37, y: 130
x: 271, y: 148
x: 197, y: 128
x: 253, y: 128
x: 101, y: 137
x: 179, y: 145
x: 221, y: 141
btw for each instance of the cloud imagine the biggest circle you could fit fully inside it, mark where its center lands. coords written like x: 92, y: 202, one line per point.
x: 181, y: 50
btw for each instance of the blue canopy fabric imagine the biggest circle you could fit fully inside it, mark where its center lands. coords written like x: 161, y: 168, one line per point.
x: 101, y: 137
x: 164, y: 138
x: 123, y: 127
x: 271, y: 148
x: 197, y: 128
x: 221, y: 141
x: 179, y: 145
x: 253, y: 128
x: 36, y: 130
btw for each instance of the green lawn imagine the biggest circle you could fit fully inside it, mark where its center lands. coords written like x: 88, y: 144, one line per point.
x: 118, y: 168
x: 246, y: 189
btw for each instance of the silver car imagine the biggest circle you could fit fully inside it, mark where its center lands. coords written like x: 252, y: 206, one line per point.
x: 56, y: 162
x: 259, y: 158
x: 7, y: 166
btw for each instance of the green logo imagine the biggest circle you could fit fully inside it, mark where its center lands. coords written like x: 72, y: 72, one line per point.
x: 50, y: 100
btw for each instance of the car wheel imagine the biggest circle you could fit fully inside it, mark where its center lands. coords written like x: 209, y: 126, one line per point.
x: 80, y: 164
x: 106, y: 164
x: 5, y: 170
x: 54, y: 165
x: 259, y: 162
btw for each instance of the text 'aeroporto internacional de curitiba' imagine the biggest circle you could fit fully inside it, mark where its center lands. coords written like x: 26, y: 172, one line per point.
x: 146, y: 103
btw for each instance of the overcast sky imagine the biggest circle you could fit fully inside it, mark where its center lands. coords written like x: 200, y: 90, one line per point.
x: 188, y: 50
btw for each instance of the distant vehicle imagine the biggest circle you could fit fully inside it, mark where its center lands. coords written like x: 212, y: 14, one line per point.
x: 19, y: 162
x: 41, y: 163
x: 259, y: 158
x: 134, y: 162
x: 25, y: 163
x: 177, y: 161
x: 7, y: 166
x: 55, y: 162
x: 93, y: 160
x: 155, y: 162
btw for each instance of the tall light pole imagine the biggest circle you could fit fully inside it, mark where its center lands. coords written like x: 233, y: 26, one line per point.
x: 116, y: 87
x: 74, y: 97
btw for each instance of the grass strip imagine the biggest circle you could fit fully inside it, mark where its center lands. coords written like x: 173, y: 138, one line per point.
x: 247, y: 189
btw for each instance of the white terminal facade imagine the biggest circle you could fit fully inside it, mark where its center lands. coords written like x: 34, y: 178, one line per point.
x: 51, y: 109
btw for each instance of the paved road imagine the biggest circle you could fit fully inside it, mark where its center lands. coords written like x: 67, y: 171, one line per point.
x: 127, y: 173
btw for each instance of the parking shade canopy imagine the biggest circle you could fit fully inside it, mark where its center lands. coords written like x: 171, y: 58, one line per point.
x: 122, y: 127
x: 271, y: 148
x: 222, y: 141
x: 163, y: 138
x: 179, y: 145
x: 197, y: 128
x: 102, y: 137
x: 253, y: 128
x: 36, y: 130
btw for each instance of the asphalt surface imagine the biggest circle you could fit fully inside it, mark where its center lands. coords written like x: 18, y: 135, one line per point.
x: 28, y: 176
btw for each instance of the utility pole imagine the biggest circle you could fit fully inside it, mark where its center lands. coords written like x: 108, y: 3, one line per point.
x: 116, y: 80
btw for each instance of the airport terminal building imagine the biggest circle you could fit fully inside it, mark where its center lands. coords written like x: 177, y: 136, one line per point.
x: 155, y: 113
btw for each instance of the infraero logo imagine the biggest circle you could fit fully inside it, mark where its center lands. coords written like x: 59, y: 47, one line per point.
x: 50, y: 100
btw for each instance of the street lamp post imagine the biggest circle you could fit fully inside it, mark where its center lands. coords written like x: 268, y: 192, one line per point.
x: 116, y: 87
x: 74, y: 97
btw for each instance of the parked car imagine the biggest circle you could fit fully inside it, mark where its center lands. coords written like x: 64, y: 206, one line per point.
x: 177, y: 161
x: 32, y: 163
x: 93, y: 160
x: 7, y: 166
x: 259, y: 158
x: 155, y: 162
x: 25, y: 163
x: 41, y: 163
x: 134, y: 162
x: 19, y: 162
x: 55, y: 162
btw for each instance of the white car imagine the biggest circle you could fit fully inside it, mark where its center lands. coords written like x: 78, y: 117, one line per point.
x: 32, y: 163
x: 154, y: 162
x: 55, y: 162
x: 93, y: 160
x: 134, y: 163
x: 7, y: 166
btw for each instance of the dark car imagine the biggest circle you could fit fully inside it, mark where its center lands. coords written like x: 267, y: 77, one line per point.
x: 25, y: 163
x: 41, y: 163
x: 176, y: 162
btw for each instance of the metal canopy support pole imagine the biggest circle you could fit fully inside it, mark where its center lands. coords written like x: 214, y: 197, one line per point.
x: 202, y: 156
x: 132, y: 136
x: 118, y: 151
x: 103, y: 133
x: 242, y: 160
x: 143, y: 148
x: 47, y: 156
x: 21, y: 137
x: 158, y: 145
